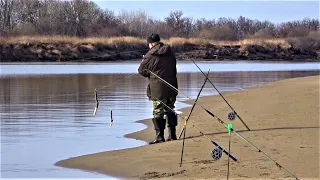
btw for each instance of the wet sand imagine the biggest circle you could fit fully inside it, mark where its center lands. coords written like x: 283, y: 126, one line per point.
x: 284, y: 120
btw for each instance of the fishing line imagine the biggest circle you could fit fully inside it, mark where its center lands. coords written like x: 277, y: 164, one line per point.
x: 95, y: 94
x: 77, y: 93
x: 220, y: 121
x: 70, y: 94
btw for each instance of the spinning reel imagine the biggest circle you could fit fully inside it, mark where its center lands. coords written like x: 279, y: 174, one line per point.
x: 216, y: 154
x: 231, y: 116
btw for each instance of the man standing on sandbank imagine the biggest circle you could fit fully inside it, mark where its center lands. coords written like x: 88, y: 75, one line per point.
x: 161, y: 60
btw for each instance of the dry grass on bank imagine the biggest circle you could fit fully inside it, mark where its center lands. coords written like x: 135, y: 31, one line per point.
x: 71, y: 40
x: 132, y: 41
x: 276, y: 41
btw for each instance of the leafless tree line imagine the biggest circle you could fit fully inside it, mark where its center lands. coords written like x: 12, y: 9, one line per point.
x: 85, y: 19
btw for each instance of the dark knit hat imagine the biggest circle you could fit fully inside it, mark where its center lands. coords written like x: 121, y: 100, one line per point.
x: 153, y: 38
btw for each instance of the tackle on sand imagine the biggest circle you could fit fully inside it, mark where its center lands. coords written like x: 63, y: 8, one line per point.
x: 223, y: 123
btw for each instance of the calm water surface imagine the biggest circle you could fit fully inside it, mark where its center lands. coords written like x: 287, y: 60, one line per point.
x: 47, y: 110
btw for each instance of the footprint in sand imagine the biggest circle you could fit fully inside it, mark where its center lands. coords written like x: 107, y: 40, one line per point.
x: 204, y: 162
x: 275, y: 151
x: 264, y: 174
x: 243, y: 176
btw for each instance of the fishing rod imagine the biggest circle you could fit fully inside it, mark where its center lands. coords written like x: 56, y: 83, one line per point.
x: 216, y: 153
x: 186, y: 120
x: 231, y: 115
x: 223, y: 123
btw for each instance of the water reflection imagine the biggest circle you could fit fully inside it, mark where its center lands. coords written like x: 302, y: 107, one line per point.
x: 79, y: 89
x: 42, y: 124
x: 132, y: 66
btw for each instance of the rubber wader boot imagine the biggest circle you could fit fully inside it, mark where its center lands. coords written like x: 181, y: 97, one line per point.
x: 172, y: 121
x: 159, y: 125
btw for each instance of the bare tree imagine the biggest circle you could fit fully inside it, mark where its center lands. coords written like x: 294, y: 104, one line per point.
x: 176, y: 22
x: 6, y: 23
x: 137, y: 23
x: 84, y: 18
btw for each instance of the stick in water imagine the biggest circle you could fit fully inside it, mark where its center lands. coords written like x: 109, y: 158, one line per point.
x: 97, y: 102
x: 111, y: 118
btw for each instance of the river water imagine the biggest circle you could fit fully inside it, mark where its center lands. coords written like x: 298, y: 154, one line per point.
x: 46, y: 110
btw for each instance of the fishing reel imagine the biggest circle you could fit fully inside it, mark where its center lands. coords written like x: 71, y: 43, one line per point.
x: 216, y: 154
x: 231, y: 116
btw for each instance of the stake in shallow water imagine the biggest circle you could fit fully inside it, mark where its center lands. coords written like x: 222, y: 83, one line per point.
x: 111, y: 118
x: 97, y: 105
x: 97, y: 102
x: 220, y: 121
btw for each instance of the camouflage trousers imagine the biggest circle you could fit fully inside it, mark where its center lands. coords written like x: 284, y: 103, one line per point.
x: 159, y: 109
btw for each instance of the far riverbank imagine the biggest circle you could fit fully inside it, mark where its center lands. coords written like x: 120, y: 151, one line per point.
x: 70, y: 49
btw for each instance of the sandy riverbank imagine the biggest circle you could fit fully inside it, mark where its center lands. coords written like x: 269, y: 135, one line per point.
x: 284, y: 121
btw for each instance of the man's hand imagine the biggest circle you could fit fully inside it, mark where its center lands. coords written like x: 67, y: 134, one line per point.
x: 143, y: 66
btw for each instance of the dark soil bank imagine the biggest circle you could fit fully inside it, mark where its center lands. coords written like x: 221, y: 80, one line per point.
x: 64, y: 52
